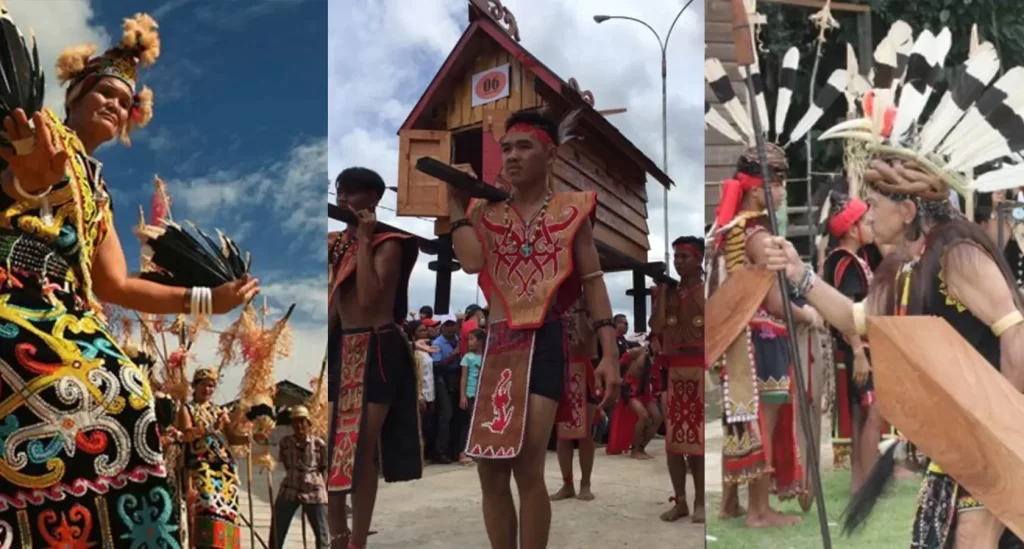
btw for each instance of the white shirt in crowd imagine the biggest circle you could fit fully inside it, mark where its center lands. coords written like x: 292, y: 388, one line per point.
x: 428, y: 375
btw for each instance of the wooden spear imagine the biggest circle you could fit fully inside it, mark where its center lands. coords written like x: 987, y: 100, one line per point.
x: 745, y: 56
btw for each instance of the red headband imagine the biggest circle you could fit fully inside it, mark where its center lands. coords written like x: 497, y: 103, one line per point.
x: 843, y: 221
x: 693, y: 249
x: 535, y: 131
x: 732, y: 195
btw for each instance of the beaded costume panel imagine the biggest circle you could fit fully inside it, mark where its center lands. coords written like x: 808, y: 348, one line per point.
x: 80, y: 458
x: 527, y: 262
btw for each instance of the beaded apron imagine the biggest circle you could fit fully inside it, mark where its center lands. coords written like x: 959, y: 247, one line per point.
x: 526, y: 265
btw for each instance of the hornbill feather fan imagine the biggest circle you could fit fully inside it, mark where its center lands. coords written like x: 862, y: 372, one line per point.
x: 185, y: 261
x: 22, y: 82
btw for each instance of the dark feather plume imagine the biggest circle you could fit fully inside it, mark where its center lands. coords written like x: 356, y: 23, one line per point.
x: 21, y: 80
x: 165, y: 409
x: 184, y: 261
x: 260, y: 410
x: 863, y: 502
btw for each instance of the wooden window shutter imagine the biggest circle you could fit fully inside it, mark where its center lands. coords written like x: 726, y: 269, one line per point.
x: 493, y: 131
x: 419, y: 194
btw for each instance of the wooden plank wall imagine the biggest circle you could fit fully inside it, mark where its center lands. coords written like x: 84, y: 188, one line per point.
x: 720, y: 154
x: 620, y: 210
x: 522, y: 95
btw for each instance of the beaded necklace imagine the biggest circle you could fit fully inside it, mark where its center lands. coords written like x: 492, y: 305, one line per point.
x: 531, y: 229
x: 339, y: 250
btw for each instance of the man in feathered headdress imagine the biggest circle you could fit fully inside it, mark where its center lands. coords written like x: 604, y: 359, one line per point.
x: 536, y: 256
x: 941, y: 264
x: 760, y: 432
x: 677, y: 327
x: 372, y: 376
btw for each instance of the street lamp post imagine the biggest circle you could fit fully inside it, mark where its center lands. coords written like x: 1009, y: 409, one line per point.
x: 664, y: 101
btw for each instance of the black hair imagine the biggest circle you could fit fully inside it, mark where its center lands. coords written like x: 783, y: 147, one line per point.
x: 481, y: 335
x: 427, y: 311
x: 535, y: 118
x: 691, y: 240
x: 448, y: 322
x: 618, y: 316
x: 410, y: 329
x: 359, y: 179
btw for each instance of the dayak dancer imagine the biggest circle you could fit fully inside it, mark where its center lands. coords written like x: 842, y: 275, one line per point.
x: 373, y: 386
x: 578, y: 407
x: 636, y: 417
x: 760, y: 431
x: 536, y: 255
x: 941, y: 264
x: 856, y: 424
x: 678, y: 325
x: 82, y: 464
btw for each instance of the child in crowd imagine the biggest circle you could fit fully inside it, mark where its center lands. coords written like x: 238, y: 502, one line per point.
x: 471, y: 362
x: 419, y: 336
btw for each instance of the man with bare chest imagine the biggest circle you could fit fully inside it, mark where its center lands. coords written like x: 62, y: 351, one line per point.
x: 373, y: 385
x: 536, y: 257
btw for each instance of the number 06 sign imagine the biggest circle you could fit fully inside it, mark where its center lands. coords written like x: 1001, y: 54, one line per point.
x: 490, y: 85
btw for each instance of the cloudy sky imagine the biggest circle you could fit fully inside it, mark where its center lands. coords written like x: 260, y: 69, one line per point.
x: 238, y: 133
x: 383, y: 54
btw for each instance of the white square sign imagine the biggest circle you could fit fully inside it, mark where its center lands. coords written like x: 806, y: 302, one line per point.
x: 490, y: 85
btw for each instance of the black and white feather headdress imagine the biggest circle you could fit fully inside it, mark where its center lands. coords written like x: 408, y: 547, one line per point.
x: 978, y: 120
x: 718, y: 80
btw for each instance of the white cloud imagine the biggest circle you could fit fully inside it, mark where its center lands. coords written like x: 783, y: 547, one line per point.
x: 291, y: 189
x: 382, y: 57
x: 56, y: 29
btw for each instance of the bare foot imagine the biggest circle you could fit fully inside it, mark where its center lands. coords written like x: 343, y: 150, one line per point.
x: 678, y: 511
x: 772, y: 519
x: 565, y: 492
x: 585, y: 493
x: 640, y: 454
x: 733, y: 511
x: 699, y: 513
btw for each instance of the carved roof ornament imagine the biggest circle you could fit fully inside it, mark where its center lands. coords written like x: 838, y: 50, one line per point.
x: 587, y: 95
x: 501, y: 15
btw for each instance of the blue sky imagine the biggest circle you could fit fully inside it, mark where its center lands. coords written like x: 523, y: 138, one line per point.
x: 238, y: 133
x: 384, y: 53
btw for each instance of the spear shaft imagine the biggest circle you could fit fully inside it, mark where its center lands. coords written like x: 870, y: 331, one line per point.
x: 745, y: 57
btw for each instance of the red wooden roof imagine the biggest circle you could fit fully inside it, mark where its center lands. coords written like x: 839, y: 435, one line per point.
x: 482, y: 25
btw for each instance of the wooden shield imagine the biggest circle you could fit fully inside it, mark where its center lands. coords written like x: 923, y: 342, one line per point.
x: 950, y: 402
x: 731, y: 307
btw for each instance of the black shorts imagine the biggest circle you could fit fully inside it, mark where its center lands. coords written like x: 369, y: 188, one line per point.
x: 547, y: 373
x: 388, y: 362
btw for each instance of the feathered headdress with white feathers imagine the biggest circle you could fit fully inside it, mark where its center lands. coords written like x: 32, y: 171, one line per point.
x: 978, y: 120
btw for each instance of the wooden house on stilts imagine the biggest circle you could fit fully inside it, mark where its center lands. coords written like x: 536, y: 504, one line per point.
x: 460, y: 119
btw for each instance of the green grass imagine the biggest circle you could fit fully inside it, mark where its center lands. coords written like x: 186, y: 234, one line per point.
x: 889, y: 525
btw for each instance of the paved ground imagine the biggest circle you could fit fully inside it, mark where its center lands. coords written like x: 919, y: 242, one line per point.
x: 443, y: 509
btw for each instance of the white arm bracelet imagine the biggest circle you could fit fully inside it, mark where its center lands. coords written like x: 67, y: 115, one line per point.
x: 22, y: 194
x: 860, y: 319
x: 1007, y: 322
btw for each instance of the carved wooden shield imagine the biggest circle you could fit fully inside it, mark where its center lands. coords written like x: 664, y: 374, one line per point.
x: 950, y: 402
x: 731, y: 307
